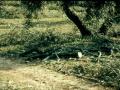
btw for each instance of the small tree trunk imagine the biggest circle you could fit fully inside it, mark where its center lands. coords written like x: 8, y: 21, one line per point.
x: 75, y: 19
x: 108, y: 21
x: 28, y: 22
x: 105, y: 27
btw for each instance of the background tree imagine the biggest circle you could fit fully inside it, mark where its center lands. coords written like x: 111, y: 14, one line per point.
x: 75, y: 19
x: 105, y: 10
x: 31, y: 7
x: 100, y: 9
x: 1, y: 3
x: 111, y: 9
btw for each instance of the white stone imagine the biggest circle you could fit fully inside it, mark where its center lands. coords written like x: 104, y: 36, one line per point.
x: 79, y: 54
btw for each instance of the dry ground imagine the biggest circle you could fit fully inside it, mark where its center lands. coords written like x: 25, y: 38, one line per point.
x: 16, y: 76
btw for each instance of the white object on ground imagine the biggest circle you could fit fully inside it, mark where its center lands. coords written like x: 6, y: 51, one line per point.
x: 100, y: 54
x: 80, y: 55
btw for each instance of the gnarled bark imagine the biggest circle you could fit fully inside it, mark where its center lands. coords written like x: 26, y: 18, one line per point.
x: 75, y: 19
x: 108, y: 21
x: 105, y: 27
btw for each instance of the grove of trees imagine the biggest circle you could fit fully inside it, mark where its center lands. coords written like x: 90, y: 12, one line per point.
x: 109, y: 10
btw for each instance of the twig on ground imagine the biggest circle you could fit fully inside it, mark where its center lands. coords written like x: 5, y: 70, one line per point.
x: 58, y: 58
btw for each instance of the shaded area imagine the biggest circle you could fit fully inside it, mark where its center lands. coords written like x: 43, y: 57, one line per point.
x: 75, y: 19
x: 50, y: 47
x: 36, y: 77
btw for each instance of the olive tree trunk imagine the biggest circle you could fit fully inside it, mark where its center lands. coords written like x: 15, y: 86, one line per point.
x: 105, y: 27
x: 75, y: 19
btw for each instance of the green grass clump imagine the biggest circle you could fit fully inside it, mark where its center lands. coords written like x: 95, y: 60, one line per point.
x: 110, y: 73
x: 35, y: 41
x: 47, y: 43
x: 14, y: 37
x: 36, y: 44
x: 105, y: 72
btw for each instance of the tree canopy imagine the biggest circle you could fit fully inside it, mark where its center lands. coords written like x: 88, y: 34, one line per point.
x: 98, y: 8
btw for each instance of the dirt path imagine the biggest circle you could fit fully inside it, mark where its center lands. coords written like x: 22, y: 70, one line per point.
x: 25, y: 77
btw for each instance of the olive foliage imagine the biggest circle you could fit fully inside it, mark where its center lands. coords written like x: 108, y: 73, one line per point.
x: 108, y: 10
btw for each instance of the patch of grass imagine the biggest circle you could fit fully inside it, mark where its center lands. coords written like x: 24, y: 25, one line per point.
x: 106, y: 72
x: 38, y: 44
x: 53, y: 33
x: 11, y: 51
x: 13, y: 37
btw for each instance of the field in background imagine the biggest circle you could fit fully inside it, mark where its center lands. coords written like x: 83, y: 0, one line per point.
x: 63, y: 34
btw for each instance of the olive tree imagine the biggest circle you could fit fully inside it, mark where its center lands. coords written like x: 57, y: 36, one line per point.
x: 31, y: 7
x: 75, y: 19
x: 111, y: 7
